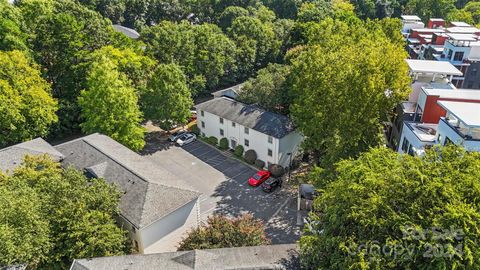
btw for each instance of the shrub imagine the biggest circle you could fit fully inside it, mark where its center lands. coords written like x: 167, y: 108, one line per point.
x: 223, y: 143
x: 212, y: 140
x: 238, y: 151
x: 195, y: 130
x: 224, y: 232
x: 276, y: 170
x: 250, y: 156
x: 260, y: 163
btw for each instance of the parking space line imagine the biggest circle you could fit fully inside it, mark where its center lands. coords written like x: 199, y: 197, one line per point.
x: 279, y: 209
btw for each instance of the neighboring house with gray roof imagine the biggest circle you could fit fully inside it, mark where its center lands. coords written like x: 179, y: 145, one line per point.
x: 154, y: 202
x: 256, y: 257
x: 271, y: 135
x: 12, y: 156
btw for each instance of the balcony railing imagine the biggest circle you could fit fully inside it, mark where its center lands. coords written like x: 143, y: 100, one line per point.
x: 457, y: 130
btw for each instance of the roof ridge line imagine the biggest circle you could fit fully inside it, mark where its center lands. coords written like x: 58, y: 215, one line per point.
x: 129, y: 169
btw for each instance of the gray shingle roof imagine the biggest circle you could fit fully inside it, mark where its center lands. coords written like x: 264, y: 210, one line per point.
x: 258, y: 257
x: 251, y: 116
x: 149, y: 192
x: 12, y: 156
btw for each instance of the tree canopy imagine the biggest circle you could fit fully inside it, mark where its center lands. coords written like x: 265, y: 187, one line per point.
x: 224, y: 232
x: 167, y: 100
x: 27, y: 108
x: 344, y: 85
x: 268, y: 89
x: 52, y: 215
x: 203, y: 51
x: 390, y: 211
x: 109, y: 105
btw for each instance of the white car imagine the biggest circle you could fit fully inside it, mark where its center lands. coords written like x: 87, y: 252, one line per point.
x: 186, y: 139
x: 174, y: 136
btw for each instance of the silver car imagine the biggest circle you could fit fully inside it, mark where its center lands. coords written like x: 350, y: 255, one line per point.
x: 174, y: 136
x: 186, y: 139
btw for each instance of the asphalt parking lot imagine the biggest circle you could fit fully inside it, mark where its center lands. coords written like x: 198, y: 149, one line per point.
x: 223, y: 183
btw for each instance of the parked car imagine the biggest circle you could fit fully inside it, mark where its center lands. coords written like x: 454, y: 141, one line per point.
x: 271, y: 184
x: 258, y: 178
x: 174, y: 136
x: 186, y: 138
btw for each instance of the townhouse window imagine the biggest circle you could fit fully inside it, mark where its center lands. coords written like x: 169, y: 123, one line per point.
x: 221, y: 132
x: 203, y: 124
x: 202, y: 113
x: 405, y: 145
x: 221, y: 120
x: 233, y: 124
x: 270, y: 139
x: 458, y: 56
x: 247, y: 130
x: 247, y: 143
x: 270, y: 153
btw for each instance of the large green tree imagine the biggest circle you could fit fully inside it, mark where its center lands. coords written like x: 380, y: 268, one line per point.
x: 137, y: 67
x: 12, y: 36
x: 203, y: 51
x: 390, y: 211
x: 109, y: 105
x: 166, y: 99
x: 52, y: 215
x: 427, y: 9
x: 27, y: 108
x: 261, y: 35
x: 345, y: 83
x: 224, y: 232
x: 269, y: 88
x: 62, y: 34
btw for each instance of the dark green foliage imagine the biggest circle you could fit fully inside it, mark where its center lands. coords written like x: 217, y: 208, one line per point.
x: 52, y: 215
x: 276, y: 170
x: 195, y: 130
x: 223, y: 144
x: 27, y: 108
x: 385, y: 199
x: 260, y: 163
x: 204, y: 53
x: 212, y: 140
x: 322, y: 89
x: 12, y: 36
x: 229, y: 15
x: 166, y: 100
x: 238, y: 151
x: 268, y: 89
x: 224, y: 232
x: 250, y: 156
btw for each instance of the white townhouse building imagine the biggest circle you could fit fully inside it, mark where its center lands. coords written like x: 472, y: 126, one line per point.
x: 271, y: 135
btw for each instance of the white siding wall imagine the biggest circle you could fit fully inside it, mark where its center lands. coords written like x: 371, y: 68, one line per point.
x: 289, y: 144
x: 445, y: 131
x: 257, y: 141
x: 132, y: 233
x: 166, y: 225
x: 413, y: 140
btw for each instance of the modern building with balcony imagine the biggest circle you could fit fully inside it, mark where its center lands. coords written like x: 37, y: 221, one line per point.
x: 424, y: 74
x: 440, y: 123
x: 461, y: 125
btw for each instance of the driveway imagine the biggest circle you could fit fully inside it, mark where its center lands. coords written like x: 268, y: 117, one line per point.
x: 223, y: 183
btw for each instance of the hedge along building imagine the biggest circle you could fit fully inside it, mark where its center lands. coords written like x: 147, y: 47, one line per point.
x: 272, y: 136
